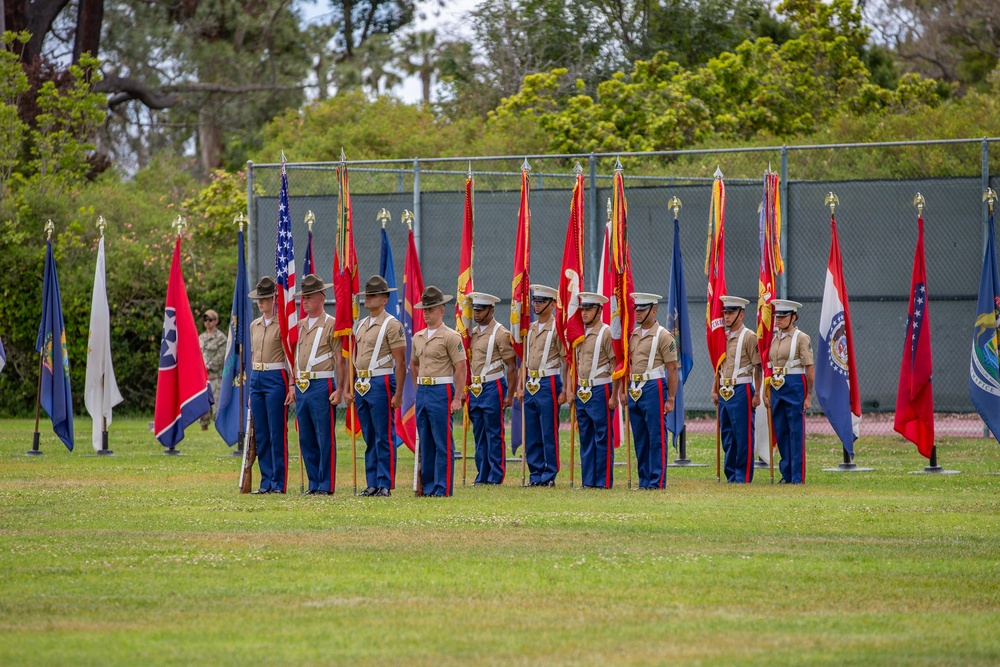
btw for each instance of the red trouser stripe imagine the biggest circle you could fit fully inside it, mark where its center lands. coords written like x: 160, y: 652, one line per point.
x: 749, y: 469
x: 390, y: 436
x: 450, y: 445
x: 663, y: 437
x: 555, y: 417
x: 805, y: 394
x: 333, y: 440
x: 503, y: 434
x: 284, y: 429
x: 609, y: 445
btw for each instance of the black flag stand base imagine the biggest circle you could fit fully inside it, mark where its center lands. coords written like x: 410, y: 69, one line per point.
x: 104, y: 451
x: 34, y: 451
x: 170, y: 451
x: 682, y: 461
x: 934, y: 468
x: 847, y: 466
x: 760, y: 463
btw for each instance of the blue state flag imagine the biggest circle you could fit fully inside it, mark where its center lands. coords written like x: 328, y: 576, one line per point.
x: 387, y: 270
x: 984, y: 374
x: 56, y: 398
x: 231, y: 414
x: 678, y: 325
x: 3, y: 356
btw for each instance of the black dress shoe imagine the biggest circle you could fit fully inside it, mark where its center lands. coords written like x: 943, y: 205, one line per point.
x: 551, y: 482
x: 276, y: 491
x: 259, y: 492
x: 370, y: 491
x: 382, y: 493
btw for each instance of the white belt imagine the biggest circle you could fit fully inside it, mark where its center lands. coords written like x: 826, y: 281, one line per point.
x: 789, y: 371
x: 258, y: 366
x: 728, y: 382
x: 651, y: 375
x: 544, y: 373
x: 595, y: 383
x: 365, y: 374
x: 450, y: 379
x: 482, y: 379
x: 316, y: 375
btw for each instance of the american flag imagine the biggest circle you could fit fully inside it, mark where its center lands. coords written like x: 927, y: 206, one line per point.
x: 284, y: 272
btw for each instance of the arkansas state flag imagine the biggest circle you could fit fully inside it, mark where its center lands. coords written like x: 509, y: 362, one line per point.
x: 182, y: 390
x: 836, y: 370
x: 915, y: 397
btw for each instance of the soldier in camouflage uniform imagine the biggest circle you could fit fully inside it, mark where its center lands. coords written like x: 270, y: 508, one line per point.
x: 213, y: 349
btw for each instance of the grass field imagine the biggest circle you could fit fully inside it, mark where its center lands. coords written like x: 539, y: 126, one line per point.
x: 141, y: 559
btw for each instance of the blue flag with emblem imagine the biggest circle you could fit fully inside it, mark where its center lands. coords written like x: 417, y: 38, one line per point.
x: 678, y: 324
x: 984, y: 370
x: 3, y: 356
x: 56, y: 397
x: 231, y: 414
x: 387, y: 270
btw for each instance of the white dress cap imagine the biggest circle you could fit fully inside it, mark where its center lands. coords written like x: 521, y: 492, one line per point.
x: 591, y: 298
x: 544, y: 292
x: 483, y: 299
x: 733, y: 301
x: 645, y: 298
x: 785, y: 306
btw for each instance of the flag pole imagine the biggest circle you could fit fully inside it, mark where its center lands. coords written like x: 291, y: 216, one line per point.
x: 770, y: 432
x: 572, y: 420
x: 241, y: 219
x: 718, y: 442
x: 628, y: 443
x: 465, y: 435
x: 104, y: 451
x: 354, y: 435
x: 35, y: 451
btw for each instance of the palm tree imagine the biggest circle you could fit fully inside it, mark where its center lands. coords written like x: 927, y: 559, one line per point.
x: 418, y: 54
x: 376, y: 56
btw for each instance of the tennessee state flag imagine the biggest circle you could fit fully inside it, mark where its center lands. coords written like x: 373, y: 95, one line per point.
x: 622, y: 304
x: 182, y: 390
x: 520, y: 288
x: 915, y: 397
x: 413, y: 322
x: 715, y: 269
x: 568, y: 318
x: 463, y: 303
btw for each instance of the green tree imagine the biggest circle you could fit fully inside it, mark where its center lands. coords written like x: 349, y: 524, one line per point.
x: 418, y: 54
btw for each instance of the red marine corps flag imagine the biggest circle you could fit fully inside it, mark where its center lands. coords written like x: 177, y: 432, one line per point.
x: 345, y: 277
x: 771, y: 267
x: 520, y: 289
x: 715, y: 269
x: 463, y: 303
x: 568, y: 318
x: 182, y: 390
x: 622, y: 304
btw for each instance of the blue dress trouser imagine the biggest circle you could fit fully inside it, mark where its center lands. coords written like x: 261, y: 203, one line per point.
x: 270, y: 424
x: 595, y: 420
x: 486, y: 415
x: 649, y: 433
x: 317, y: 420
x: 377, y: 426
x: 437, y: 448
x: 541, y: 429
x: 789, y: 420
x: 736, y: 424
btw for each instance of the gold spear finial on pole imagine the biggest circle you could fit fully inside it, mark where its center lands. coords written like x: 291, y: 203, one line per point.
x: 240, y: 219
x: 675, y: 203
x: 310, y: 219
x: 101, y: 224
x: 578, y: 169
x: 831, y: 201
x: 618, y: 165
x: 407, y: 219
x: 990, y: 196
x: 343, y: 155
x: 718, y: 173
x: 384, y: 216
x: 919, y: 202
x: 524, y: 165
x: 179, y: 224
x: 49, y: 228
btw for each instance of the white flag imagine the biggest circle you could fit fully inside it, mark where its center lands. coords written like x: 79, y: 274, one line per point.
x: 102, y: 389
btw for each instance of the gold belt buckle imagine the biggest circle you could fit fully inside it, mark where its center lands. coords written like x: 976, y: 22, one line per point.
x: 533, y: 385
x: 534, y: 374
x: 778, y: 379
x: 476, y: 386
x: 362, y: 385
x: 727, y: 391
x: 584, y: 392
x: 425, y: 381
x: 638, y: 378
x: 364, y: 374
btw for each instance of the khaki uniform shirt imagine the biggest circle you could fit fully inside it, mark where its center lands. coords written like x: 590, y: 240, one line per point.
x: 585, y: 355
x: 502, y: 349
x: 536, y: 346
x: 441, y: 354
x: 366, y: 333
x: 639, y: 345
x: 328, y: 345
x: 213, y: 349
x: 781, y: 349
x: 265, y: 342
x: 750, y: 355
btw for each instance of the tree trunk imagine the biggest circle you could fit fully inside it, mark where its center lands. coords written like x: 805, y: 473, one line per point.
x: 209, y: 141
x: 90, y: 17
x: 425, y: 82
x: 35, y: 16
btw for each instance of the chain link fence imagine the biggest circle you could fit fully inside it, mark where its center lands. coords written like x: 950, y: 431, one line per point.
x: 876, y: 220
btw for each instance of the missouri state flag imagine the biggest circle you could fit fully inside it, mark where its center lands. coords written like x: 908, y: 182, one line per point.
x: 984, y: 371
x: 182, y: 390
x: 836, y: 369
